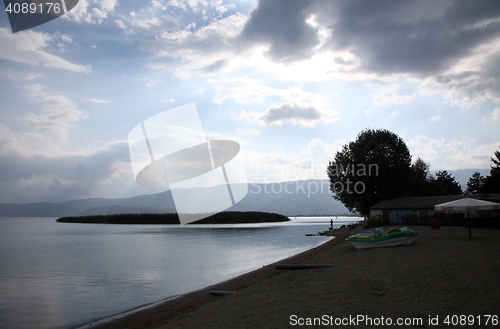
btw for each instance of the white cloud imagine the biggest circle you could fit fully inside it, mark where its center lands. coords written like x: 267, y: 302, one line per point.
x: 278, y: 167
x: 323, y: 65
x: 205, y: 50
x: 435, y: 118
x: 67, y: 38
x: 122, y: 26
x: 302, y: 108
x: 201, y: 6
x: 317, y: 149
x: 241, y: 89
x: 217, y: 47
x: 495, y: 116
x: 39, y: 165
x: 309, y: 163
x: 96, y: 101
x: 154, y: 82
x: 154, y: 25
x: 453, y: 154
x: 55, y: 116
x: 254, y: 132
x: 155, y: 66
x: 248, y: 116
x: 251, y: 91
x: 27, y: 76
x: 466, y: 77
x: 27, y: 48
x: 32, y: 143
x: 92, y: 11
x: 394, y: 99
x: 108, y: 5
x: 33, y: 76
x: 63, y: 41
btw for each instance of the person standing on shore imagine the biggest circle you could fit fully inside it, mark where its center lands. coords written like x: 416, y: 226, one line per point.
x: 331, y: 224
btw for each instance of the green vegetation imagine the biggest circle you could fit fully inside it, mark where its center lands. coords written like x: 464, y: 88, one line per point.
x: 374, y: 167
x: 377, y: 166
x: 445, y: 183
x: 478, y: 184
x: 475, y: 183
x: 229, y: 217
x: 424, y: 183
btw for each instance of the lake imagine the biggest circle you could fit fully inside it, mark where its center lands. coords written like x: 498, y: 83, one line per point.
x: 61, y: 275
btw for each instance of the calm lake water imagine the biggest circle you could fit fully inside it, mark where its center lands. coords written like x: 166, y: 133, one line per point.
x: 60, y: 275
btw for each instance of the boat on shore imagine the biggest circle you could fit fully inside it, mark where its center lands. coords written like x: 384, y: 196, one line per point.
x: 378, y: 238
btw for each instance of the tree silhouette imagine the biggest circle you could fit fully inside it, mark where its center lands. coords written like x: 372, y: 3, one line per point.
x: 492, y: 182
x: 475, y: 184
x: 422, y: 180
x: 445, y: 183
x: 374, y: 167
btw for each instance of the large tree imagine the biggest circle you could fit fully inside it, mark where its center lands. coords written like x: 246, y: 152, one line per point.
x: 492, y: 182
x: 374, y: 167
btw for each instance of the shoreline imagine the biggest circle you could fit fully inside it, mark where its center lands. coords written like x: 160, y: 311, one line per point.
x: 133, y: 318
x: 109, y: 321
x: 442, y: 273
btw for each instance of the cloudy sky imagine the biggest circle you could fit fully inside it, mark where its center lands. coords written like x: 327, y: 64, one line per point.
x: 291, y: 81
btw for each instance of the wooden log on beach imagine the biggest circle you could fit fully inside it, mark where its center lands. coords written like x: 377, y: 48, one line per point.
x: 221, y: 292
x: 301, y: 266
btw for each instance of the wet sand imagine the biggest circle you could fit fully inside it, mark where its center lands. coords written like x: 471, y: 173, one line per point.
x: 442, y: 273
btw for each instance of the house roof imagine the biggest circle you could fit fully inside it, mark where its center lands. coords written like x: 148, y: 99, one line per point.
x: 428, y: 202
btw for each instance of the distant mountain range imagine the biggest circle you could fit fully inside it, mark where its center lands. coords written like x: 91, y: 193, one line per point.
x: 311, y: 197
x: 308, y: 198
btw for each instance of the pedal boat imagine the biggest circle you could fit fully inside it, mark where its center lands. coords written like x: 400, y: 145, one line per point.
x: 393, y: 237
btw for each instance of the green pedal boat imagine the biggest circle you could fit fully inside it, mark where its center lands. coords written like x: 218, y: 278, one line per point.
x: 393, y: 237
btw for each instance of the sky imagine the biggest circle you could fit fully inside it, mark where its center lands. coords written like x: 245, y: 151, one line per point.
x: 290, y: 81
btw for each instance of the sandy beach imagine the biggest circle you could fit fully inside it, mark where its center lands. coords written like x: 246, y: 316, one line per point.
x: 441, y: 276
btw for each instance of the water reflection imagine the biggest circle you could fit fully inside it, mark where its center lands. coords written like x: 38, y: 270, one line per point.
x: 56, y: 275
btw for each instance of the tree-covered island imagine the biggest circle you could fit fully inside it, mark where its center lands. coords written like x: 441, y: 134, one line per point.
x: 227, y: 217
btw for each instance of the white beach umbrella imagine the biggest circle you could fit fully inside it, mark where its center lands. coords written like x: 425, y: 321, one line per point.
x: 467, y: 204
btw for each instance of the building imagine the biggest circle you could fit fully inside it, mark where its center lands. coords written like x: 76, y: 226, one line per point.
x: 419, y: 208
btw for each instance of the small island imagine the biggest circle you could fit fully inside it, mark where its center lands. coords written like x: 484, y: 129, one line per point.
x: 227, y: 217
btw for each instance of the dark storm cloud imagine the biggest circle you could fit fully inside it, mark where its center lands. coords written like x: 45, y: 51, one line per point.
x: 388, y: 38
x: 290, y: 112
x: 281, y: 25
x: 37, y: 177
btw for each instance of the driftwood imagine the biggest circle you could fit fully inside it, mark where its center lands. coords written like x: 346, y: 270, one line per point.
x: 301, y: 266
x: 221, y: 292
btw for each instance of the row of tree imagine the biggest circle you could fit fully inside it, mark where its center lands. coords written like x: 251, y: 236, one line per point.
x: 479, y: 184
x: 395, y: 175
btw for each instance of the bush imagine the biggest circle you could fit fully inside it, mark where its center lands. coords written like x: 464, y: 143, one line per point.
x: 433, y: 223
